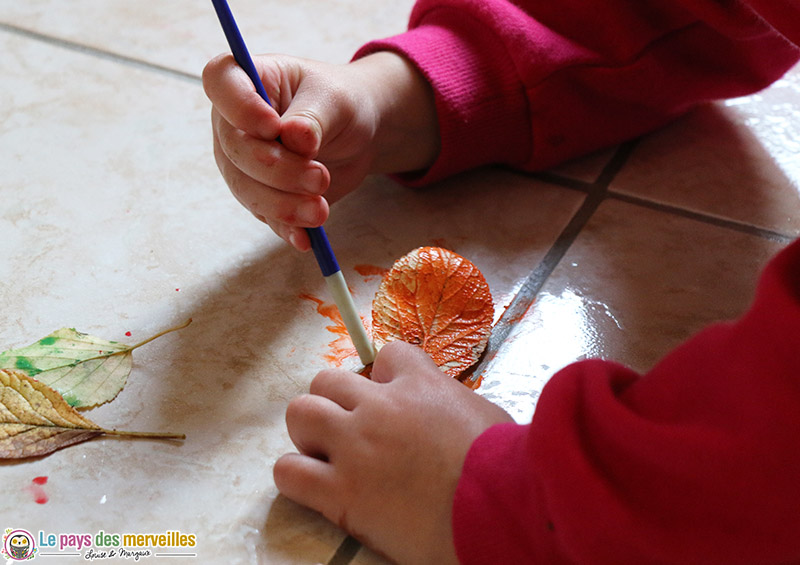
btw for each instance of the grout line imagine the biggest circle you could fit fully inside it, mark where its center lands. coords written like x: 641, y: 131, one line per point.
x: 597, y: 193
x: 94, y: 51
x: 533, y: 284
x: 614, y: 166
x: 610, y: 172
x: 558, y: 180
x: 346, y: 551
x: 526, y: 295
x: 733, y: 225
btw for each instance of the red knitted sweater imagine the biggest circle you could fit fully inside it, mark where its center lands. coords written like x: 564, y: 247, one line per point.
x: 697, y: 461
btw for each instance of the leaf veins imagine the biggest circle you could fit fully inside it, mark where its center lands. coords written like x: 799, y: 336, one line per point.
x: 85, y: 369
x: 438, y: 300
x: 35, y: 420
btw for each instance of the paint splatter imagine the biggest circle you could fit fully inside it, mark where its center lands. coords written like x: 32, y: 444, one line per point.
x: 25, y: 364
x: 470, y: 379
x: 37, y: 491
x: 370, y: 270
x: 342, y: 347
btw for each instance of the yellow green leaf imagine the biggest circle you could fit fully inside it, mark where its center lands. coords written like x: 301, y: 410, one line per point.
x: 85, y: 369
x: 35, y: 420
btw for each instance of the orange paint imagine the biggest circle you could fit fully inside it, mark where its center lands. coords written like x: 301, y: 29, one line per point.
x: 433, y: 298
x: 342, y: 347
x: 370, y: 270
x: 438, y: 300
x: 472, y: 381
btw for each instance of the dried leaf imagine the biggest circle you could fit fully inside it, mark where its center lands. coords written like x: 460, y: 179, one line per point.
x: 35, y: 420
x: 438, y: 300
x: 85, y: 369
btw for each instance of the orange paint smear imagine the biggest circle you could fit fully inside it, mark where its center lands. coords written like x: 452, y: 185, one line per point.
x: 370, y: 270
x: 472, y: 381
x: 342, y: 347
x: 469, y: 378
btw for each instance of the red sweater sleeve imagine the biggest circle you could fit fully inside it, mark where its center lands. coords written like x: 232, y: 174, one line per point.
x: 698, y: 461
x: 531, y: 83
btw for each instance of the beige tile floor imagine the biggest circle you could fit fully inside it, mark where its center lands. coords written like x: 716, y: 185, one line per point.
x: 114, y: 220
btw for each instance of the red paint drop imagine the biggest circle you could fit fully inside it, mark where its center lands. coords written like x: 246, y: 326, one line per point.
x: 36, y: 490
x: 128, y: 334
x: 177, y: 290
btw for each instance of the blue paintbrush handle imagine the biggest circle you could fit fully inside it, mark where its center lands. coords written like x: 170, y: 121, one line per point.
x: 238, y: 48
x: 319, y: 239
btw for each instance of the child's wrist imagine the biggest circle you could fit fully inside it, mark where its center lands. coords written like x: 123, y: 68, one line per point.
x: 407, y: 133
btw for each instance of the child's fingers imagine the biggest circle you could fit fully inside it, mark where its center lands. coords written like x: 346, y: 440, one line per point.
x: 235, y: 98
x: 302, y: 133
x: 296, y: 237
x: 318, y: 110
x: 345, y: 388
x: 278, y: 206
x: 311, y: 483
x: 302, y: 479
x: 268, y: 203
x: 398, y: 359
x: 268, y: 206
x: 313, y: 422
x: 269, y: 162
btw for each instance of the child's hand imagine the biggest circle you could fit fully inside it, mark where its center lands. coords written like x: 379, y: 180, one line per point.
x: 382, y: 457
x: 331, y: 126
x: 281, y: 183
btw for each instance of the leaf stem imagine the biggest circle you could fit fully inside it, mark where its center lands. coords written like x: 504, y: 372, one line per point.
x: 150, y: 435
x: 159, y: 334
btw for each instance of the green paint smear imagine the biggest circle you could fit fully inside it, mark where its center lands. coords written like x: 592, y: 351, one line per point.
x: 24, y: 364
x: 71, y: 399
x: 49, y: 340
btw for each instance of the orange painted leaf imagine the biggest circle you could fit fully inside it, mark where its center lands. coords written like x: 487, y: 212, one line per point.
x: 438, y: 300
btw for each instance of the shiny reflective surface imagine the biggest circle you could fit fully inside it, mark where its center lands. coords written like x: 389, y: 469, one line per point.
x: 634, y: 284
x: 774, y: 116
x: 115, y: 220
x: 560, y: 329
x: 736, y: 160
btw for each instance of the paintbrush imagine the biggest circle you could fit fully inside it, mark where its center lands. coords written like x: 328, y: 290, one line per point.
x: 319, y: 239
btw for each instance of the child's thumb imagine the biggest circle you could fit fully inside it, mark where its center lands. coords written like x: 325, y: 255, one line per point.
x: 301, y: 132
x: 317, y: 111
x: 398, y: 359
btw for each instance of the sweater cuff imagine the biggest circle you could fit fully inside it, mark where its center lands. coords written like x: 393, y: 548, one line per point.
x: 477, y: 90
x: 494, y: 485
